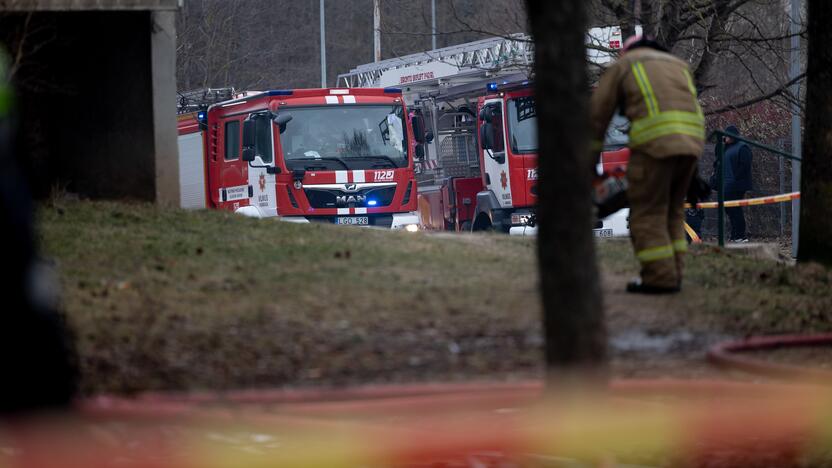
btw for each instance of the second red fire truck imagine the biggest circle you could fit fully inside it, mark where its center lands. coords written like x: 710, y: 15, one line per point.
x: 503, y: 194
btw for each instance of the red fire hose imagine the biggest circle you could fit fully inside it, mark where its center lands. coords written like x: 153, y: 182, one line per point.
x: 726, y: 355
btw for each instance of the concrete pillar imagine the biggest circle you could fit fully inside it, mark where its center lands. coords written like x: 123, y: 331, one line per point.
x: 163, y: 63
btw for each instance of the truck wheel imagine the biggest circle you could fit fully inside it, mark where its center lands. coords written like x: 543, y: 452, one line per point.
x: 482, y: 223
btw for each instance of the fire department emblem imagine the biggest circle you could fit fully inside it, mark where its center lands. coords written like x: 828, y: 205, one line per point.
x: 262, y: 182
x: 503, y: 180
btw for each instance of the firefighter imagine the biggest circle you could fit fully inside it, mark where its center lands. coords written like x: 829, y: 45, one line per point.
x: 655, y: 91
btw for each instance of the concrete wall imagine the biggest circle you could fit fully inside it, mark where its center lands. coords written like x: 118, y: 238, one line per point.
x: 97, y: 103
x: 163, y: 64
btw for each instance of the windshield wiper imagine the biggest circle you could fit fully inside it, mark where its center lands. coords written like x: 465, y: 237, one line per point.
x: 377, y: 156
x: 328, y: 158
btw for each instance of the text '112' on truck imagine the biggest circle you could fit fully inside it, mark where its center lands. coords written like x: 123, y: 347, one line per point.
x: 343, y: 156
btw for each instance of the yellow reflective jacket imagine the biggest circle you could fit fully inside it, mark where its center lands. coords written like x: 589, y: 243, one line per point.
x: 655, y: 91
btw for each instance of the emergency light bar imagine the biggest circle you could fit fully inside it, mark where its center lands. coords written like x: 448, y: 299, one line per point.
x: 279, y: 92
x: 494, y: 87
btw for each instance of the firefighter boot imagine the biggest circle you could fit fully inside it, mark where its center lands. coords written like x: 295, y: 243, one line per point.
x: 650, y: 192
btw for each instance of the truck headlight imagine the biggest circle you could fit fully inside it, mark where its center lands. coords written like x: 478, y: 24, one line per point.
x: 412, y: 228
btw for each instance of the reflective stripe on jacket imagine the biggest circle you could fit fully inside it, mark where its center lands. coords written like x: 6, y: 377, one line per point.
x: 655, y: 91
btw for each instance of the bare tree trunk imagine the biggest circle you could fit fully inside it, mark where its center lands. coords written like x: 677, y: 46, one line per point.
x: 573, y: 316
x: 816, y: 185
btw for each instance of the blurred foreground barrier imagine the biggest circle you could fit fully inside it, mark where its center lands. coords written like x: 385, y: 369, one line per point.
x: 661, y: 422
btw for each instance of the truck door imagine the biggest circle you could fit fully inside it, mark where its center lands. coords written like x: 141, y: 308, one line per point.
x: 261, y: 171
x: 495, y: 160
x: 230, y: 185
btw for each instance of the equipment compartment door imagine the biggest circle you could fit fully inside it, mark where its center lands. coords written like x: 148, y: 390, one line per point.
x: 231, y: 184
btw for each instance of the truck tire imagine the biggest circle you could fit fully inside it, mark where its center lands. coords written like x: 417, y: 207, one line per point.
x: 482, y: 223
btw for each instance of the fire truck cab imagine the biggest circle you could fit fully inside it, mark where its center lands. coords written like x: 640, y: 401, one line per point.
x: 343, y: 156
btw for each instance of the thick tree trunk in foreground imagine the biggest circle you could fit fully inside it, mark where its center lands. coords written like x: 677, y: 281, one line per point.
x: 573, y: 317
x: 816, y: 184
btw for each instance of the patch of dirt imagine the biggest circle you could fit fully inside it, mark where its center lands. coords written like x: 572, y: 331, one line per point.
x: 654, y: 337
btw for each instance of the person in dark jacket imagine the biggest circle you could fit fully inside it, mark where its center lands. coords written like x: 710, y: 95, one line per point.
x: 737, y: 181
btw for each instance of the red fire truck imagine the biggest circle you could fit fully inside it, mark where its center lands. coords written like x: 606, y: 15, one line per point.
x: 343, y: 156
x: 503, y: 195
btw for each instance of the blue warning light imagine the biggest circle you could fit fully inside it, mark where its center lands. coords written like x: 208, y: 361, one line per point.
x: 491, y: 87
x: 372, y: 202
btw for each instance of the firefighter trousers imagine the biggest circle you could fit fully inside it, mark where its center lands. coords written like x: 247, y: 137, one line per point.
x: 657, y: 189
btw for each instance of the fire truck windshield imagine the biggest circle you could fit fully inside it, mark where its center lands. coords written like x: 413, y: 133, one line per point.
x: 356, y: 136
x: 522, y: 125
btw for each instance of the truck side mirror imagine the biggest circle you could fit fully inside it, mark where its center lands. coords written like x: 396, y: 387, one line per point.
x: 281, y: 120
x: 418, y: 124
x: 486, y: 114
x: 496, y: 128
x: 249, y: 134
x: 420, y: 152
x: 486, y: 136
x: 248, y: 154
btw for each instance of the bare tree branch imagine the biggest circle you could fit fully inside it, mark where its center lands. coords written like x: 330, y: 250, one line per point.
x: 777, y: 92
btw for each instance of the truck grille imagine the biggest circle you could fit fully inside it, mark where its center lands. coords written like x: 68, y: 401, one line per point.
x: 328, y: 198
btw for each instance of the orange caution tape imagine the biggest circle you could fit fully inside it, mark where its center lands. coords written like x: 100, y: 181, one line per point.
x: 751, y: 201
x: 693, y: 236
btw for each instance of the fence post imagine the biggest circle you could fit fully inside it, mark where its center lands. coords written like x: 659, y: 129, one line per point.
x: 720, y: 193
x: 781, y: 170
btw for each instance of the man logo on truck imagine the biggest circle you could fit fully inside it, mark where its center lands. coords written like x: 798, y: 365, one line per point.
x: 344, y: 200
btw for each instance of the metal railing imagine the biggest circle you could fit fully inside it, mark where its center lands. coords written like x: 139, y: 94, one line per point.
x: 718, y: 135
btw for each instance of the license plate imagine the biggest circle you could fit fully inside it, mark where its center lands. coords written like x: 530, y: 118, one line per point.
x: 353, y: 220
x: 519, y: 219
x: 602, y: 232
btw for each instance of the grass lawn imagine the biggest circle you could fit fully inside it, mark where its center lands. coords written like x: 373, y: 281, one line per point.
x: 165, y: 299
x: 171, y: 299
